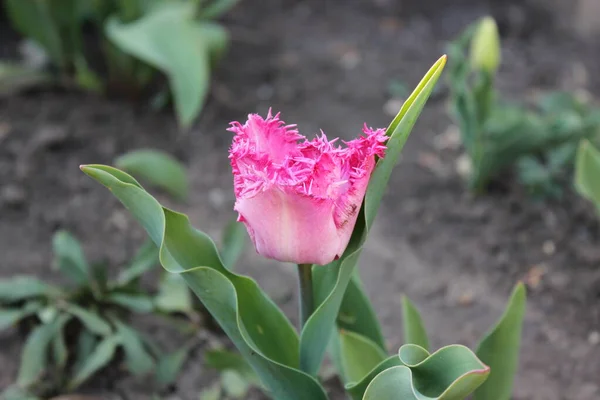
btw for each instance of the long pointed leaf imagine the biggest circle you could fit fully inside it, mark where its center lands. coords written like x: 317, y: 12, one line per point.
x: 145, y: 259
x: 500, y: 349
x: 587, y: 172
x: 92, y: 321
x: 260, y: 331
x: 69, y: 257
x: 99, y: 358
x: 332, y: 280
x: 357, y: 315
x: 137, y: 359
x: 414, y: 329
x: 10, y: 316
x: 22, y: 287
x: 359, y: 355
x: 34, y: 358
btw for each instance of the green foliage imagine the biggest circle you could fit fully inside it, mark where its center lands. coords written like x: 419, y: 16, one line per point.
x: 286, y: 364
x: 158, y: 169
x: 540, y: 142
x: 173, y: 41
x: 138, y: 37
x: 94, y: 311
x: 499, y: 350
x: 564, y: 114
x: 587, y: 172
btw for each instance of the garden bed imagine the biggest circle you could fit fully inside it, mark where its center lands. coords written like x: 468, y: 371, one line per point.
x: 329, y: 65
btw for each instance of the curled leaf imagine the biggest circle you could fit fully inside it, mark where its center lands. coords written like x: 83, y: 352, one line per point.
x: 451, y: 373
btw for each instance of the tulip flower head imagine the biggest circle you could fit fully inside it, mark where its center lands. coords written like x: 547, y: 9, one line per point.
x: 299, y: 198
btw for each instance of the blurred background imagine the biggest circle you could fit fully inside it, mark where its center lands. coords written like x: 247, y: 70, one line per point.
x: 151, y: 86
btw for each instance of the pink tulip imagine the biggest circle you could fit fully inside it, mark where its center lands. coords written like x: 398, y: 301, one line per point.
x: 299, y: 199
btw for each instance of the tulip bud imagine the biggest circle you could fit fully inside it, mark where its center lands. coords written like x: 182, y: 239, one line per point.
x: 299, y: 199
x: 485, y: 46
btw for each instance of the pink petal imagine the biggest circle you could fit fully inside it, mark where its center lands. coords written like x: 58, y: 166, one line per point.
x: 291, y: 227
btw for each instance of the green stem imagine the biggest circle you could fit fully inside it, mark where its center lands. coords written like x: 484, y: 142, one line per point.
x: 305, y: 289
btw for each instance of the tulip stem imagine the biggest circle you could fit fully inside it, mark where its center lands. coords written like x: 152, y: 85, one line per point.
x: 305, y: 289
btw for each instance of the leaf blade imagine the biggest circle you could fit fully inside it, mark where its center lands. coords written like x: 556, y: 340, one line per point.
x: 500, y: 349
x: 158, y: 169
x: 414, y: 329
x: 69, y: 257
x: 359, y: 355
x: 99, y: 358
x: 256, y: 326
x: 92, y: 322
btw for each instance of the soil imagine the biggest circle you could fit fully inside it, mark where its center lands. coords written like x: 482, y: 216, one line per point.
x: 328, y: 65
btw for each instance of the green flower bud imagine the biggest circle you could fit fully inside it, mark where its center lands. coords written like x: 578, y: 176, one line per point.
x: 485, y: 46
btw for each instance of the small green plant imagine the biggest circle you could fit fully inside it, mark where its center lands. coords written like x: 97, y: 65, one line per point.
x: 136, y: 38
x: 73, y: 332
x: 497, y: 135
x: 548, y: 172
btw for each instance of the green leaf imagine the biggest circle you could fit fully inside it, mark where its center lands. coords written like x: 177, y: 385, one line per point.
x: 60, y: 353
x: 224, y: 360
x: 356, y: 390
x: 16, y: 77
x: 332, y: 280
x: 168, y: 40
x: 86, y: 343
x: 137, y: 359
x: 414, y: 329
x: 145, y: 259
x: 158, y: 169
x: 138, y: 303
x: 92, y: 321
x: 357, y: 315
x: 234, y: 385
x: 86, y: 78
x: 234, y: 241
x: 170, y: 365
x: 23, y: 287
x: 217, y: 8
x: 34, y: 358
x: 260, y: 331
x: 69, y: 257
x: 359, y: 355
x: 34, y: 20
x: 216, y: 39
x: 173, y: 295
x: 99, y: 358
x: 211, y: 393
x: 17, y: 393
x: 500, y: 349
x: 10, y: 316
x: 451, y: 373
x: 587, y: 171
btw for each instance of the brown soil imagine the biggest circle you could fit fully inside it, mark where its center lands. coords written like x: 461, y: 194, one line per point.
x: 328, y: 65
